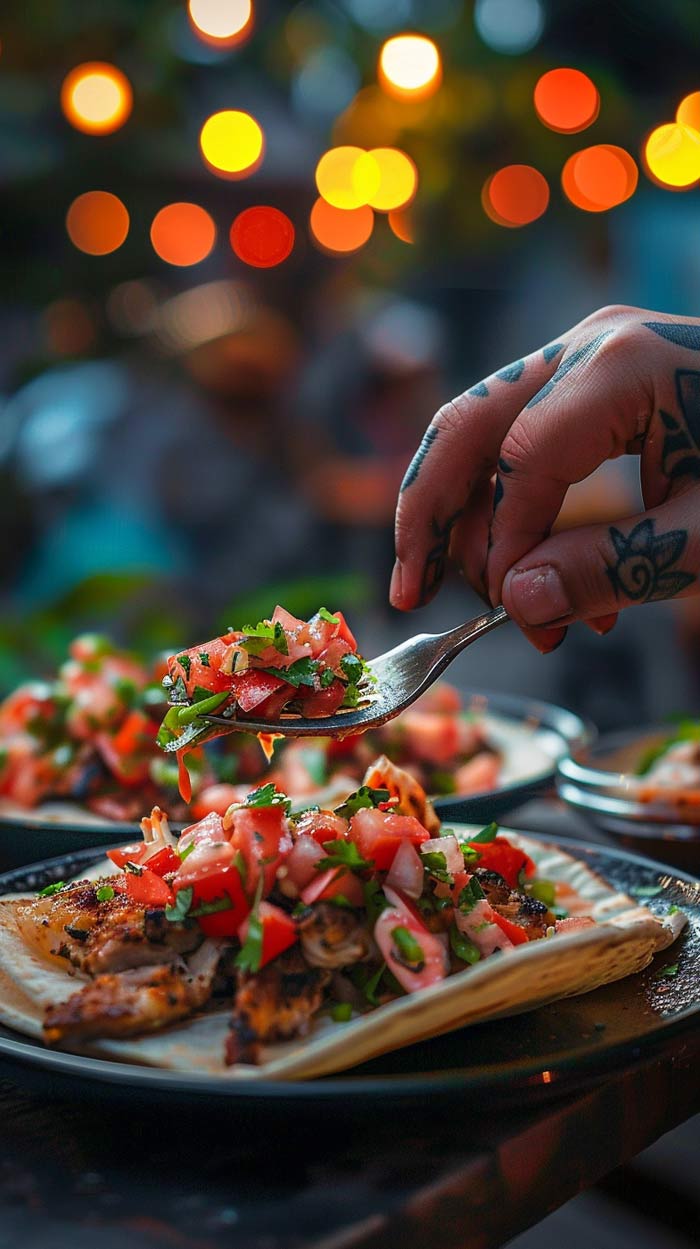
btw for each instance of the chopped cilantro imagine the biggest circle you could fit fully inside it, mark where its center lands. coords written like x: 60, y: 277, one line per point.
x: 212, y: 908
x: 263, y: 635
x: 470, y: 895
x: 240, y: 863
x: 267, y: 796
x: 327, y: 678
x: 353, y: 668
x: 249, y: 957
x: 408, y: 950
x: 352, y: 696
x: 185, y: 663
x: 667, y: 972
x: 341, y: 1012
x: 342, y: 854
x: 365, y: 796
x: 204, y: 659
x: 324, y: 614
x: 301, y: 672
x: 105, y: 893
x: 375, y: 902
x: 435, y: 865
x: 462, y: 946
x: 487, y: 834
x: 674, y: 910
x: 181, y: 906
x: 49, y: 890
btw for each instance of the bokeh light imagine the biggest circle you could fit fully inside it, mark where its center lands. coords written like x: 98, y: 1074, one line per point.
x: 672, y: 155
x: 97, y: 223
x: 515, y: 195
x: 221, y: 21
x: 96, y: 97
x: 398, y: 179
x: 262, y: 236
x: 232, y: 143
x: 509, y: 26
x: 401, y: 225
x: 340, y: 230
x: 599, y: 178
x: 348, y: 177
x: 566, y: 100
x: 182, y: 234
x: 688, y: 111
x: 410, y: 67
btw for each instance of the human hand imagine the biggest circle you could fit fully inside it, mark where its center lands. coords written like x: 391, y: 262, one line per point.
x: 492, y: 470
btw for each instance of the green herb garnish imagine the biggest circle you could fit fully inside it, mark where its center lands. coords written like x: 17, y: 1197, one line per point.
x: 263, y: 635
x: 435, y: 865
x: 185, y: 663
x: 267, y: 796
x: 327, y: 678
x: 667, y: 972
x: 324, y: 614
x: 470, y: 895
x: 409, y: 951
x: 353, y: 668
x: 249, y: 957
x: 49, y: 890
x: 212, y: 908
x: 463, y: 947
x: 204, y: 659
x: 105, y: 893
x: 342, y: 854
x: 352, y: 696
x: 341, y: 1012
x: 181, y: 906
x: 301, y: 672
x: 487, y: 834
x: 375, y: 902
x: 365, y: 796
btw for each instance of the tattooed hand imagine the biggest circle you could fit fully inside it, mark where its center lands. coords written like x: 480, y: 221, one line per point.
x: 492, y: 470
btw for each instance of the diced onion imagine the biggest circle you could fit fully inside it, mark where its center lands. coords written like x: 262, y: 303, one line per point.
x: 406, y: 872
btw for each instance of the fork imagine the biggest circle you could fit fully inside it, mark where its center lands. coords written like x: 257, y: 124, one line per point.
x: 395, y: 680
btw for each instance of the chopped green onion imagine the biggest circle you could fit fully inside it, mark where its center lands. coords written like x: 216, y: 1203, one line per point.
x: 410, y: 951
x: 324, y: 614
x: 487, y: 834
x: 341, y: 1012
x: 463, y: 947
x: 186, y: 715
x: 105, y: 893
x: 49, y: 890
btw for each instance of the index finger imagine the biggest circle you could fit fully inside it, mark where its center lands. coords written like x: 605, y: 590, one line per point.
x: 458, y: 452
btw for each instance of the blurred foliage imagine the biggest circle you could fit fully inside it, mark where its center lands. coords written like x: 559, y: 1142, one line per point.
x: 302, y: 597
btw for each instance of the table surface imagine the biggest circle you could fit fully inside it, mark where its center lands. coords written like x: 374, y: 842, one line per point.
x: 77, y: 1173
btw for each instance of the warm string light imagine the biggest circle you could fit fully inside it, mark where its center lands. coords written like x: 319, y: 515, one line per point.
x: 599, y: 178
x: 566, y: 100
x: 262, y: 236
x: 232, y: 143
x: 410, y: 67
x: 97, y: 223
x: 383, y: 178
x: 515, y: 196
x: 222, y: 23
x: 96, y: 97
x: 339, y: 231
x: 182, y: 234
x: 672, y: 156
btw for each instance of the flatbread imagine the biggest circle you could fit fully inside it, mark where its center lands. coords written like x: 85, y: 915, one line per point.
x: 625, y: 940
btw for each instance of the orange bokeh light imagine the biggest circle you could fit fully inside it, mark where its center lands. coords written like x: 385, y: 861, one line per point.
x: 599, y: 178
x: 688, y: 111
x: 340, y: 230
x: 410, y: 67
x: 515, y: 195
x: 96, y: 97
x: 221, y: 23
x: 566, y: 100
x: 402, y: 225
x: 262, y: 236
x: 97, y: 223
x: 182, y: 234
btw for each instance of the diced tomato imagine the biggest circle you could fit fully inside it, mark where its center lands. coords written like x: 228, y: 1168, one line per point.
x: 272, y: 706
x: 378, y: 834
x: 29, y: 702
x: 515, y: 932
x: 502, y: 857
x: 322, y: 825
x: 441, y: 698
x: 331, y: 884
x: 253, y: 687
x: 430, y: 738
x: 334, y: 652
x: 433, y: 965
x: 212, y: 886
x: 322, y: 702
x: 207, y: 831
x: 96, y: 705
x: 126, y: 854
x: 290, y: 623
x: 148, y: 889
x: 262, y: 836
x: 127, y: 752
x: 344, y: 630
x: 87, y: 647
x: 479, y: 774
x: 203, y: 668
x: 278, y: 931
x: 164, y: 861
x: 218, y: 798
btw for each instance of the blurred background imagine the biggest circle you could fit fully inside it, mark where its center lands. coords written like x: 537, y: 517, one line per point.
x: 249, y: 247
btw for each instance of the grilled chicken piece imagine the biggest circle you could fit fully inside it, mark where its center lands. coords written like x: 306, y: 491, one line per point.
x: 98, y: 937
x: 274, y: 1005
x: 128, y: 1003
x: 520, y: 908
x: 333, y: 936
x: 383, y: 774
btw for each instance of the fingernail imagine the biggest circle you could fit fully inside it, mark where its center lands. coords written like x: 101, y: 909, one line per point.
x: 537, y: 595
x: 396, y: 587
x: 555, y: 647
x: 603, y: 624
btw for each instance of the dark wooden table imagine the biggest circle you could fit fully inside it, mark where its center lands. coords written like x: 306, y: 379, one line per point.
x: 110, y: 1175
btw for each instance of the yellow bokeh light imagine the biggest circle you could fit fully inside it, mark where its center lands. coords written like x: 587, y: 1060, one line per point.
x: 688, y: 111
x: 221, y: 21
x: 96, y: 97
x: 672, y: 155
x: 348, y: 177
x: 409, y: 66
x: 232, y: 143
x: 398, y: 179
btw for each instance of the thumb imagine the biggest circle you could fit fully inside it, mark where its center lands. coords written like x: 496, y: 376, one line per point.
x: 594, y: 571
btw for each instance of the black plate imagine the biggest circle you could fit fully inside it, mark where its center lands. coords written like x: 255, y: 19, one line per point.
x: 546, y: 1052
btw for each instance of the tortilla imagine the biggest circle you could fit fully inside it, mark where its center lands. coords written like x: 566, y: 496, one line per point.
x: 625, y: 940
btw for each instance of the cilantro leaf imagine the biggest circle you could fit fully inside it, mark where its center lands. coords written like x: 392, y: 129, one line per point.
x: 267, y: 796
x: 342, y: 854
x: 181, y: 906
x: 487, y: 834
x: 257, y: 638
x: 301, y: 672
x: 470, y: 895
x: 352, y: 696
x: 327, y: 678
x: 667, y: 972
x: 365, y: 796
x: 49, y: 890
x: 249, y: 957
x: 185, y: 663
x: 375, y: 902
x: 353, y: 668
x: 204, y: 659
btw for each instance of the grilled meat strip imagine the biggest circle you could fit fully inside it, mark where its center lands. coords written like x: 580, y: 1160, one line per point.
x: 333, y: 936
x: 100, y: 937
x: 520, y: 908
x: 275, y: 1004
x: 144, y: 999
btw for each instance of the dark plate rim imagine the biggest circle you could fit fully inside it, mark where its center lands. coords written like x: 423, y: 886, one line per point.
x: 583, y: 1066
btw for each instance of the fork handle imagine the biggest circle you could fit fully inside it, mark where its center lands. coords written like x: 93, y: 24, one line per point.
x: 456, y: 639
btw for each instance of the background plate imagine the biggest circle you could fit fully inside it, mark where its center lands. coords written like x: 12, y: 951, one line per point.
x: 546, y: 1052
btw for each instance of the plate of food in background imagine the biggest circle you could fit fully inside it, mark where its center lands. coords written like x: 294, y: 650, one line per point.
x: 641, y: 784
